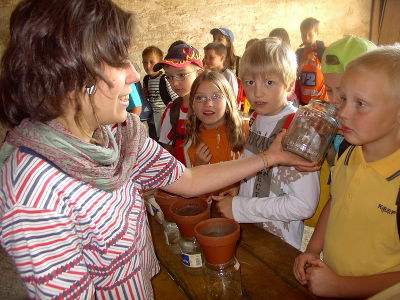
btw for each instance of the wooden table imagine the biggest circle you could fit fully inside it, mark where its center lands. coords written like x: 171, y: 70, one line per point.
x: 266, y: 268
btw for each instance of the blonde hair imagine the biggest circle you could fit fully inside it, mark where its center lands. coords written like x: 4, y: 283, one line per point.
x: 382, y: 61
x: 270, y: 56
x: 251, y: 42
x: 233, y: 120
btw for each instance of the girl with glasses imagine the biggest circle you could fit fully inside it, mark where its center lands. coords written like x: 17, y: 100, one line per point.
x: 215, y: 131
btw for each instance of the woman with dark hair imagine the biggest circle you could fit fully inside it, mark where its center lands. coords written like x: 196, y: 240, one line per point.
x: 71, y: 209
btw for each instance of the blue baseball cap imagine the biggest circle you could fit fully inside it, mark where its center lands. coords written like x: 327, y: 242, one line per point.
x: 224, y: 31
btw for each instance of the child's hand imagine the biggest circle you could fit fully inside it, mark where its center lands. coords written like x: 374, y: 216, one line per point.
x: 322, y: 281
x: 301, y: 263
x: 230, y: 192
x: 285, y: 158
x: 303, y: 168
x: 224, y: 205
x: 203, y: 155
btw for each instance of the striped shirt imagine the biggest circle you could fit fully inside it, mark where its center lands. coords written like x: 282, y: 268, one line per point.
x: 153, y: 87
x: 153, y: 90
x: 71, y: 240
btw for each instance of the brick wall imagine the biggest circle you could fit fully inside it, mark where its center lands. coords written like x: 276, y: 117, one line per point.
x: 160, y: 22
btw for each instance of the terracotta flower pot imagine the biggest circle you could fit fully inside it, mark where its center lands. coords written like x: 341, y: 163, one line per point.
x: 165, y: 200
x: 186, y: 213
x: 217, y: 237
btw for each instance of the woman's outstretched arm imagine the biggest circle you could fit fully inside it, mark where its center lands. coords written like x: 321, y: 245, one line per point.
x: 208, y: 178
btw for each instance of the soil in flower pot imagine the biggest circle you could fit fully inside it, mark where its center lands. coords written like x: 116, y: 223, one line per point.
x: 218, y: 237
x: 188, y: 212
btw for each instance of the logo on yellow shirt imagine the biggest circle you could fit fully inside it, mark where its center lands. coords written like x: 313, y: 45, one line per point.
x: 386, y: 210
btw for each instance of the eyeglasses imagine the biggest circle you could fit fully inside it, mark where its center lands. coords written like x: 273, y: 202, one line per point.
x: 203, y: 99
x: 179, y: 77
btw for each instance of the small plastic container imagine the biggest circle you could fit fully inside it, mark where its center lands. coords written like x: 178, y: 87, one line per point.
x: 172, y: 236
x: 312, y: 130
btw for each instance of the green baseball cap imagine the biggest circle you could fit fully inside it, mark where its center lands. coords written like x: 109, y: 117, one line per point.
x: 340, y: 53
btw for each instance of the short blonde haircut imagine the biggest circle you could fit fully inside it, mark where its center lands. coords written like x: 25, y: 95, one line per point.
x: 382, y: 61
x: 269, y: 56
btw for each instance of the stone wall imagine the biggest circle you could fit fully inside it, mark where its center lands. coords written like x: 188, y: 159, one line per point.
x: 160, y: 22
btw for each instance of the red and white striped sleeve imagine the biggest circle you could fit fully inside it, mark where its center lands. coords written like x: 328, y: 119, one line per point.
x: 157, y: 167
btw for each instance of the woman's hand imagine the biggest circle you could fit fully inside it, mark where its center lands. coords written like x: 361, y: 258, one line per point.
x: 277, y: 156
x: 301, y: 263
x: 203, y: 155
x: 224, y: 205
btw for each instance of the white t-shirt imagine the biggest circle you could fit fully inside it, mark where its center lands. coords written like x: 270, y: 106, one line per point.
x: 232, y: 79
x: 293, y: 195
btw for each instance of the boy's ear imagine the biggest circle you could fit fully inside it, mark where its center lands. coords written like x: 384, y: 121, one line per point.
x: 223, y: 57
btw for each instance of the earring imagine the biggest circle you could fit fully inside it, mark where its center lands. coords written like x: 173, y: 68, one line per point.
x: 91, y: 89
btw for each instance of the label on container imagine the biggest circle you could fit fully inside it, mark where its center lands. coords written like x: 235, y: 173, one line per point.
x: 192, y: 260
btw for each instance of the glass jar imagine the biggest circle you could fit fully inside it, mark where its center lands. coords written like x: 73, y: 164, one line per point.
x: 223, y: 280
x: 312, y: 130
x: 191, y: 254
x: 172, y: 236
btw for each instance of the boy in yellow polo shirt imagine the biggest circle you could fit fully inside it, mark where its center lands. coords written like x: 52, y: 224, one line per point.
x: 334, y: 61
x: 358, y: 229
